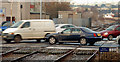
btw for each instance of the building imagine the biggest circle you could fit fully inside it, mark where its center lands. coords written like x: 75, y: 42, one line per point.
x: 35, y: 11
x: 69, y: 15
x: 72, y: 17
x: 20, y: 11
x: 36, y: 15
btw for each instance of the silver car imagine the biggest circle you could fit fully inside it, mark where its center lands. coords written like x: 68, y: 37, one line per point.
x: 118, y: 39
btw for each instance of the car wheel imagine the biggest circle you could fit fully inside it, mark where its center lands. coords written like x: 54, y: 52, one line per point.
x: 83, y: 41
x: 91, y: 43
x: 17, y: 39
x: 52, y: 40
x: 110, y: 37
x: 8, y: 41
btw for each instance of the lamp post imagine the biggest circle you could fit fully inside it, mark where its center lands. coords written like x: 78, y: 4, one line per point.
x: 40, y: 9
x: 11, y: 12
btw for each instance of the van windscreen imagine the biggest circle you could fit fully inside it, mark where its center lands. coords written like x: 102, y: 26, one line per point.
x: 17, y: 24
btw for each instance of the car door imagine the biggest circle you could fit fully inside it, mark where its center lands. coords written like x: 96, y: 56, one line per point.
x: 117, y: 31
x: 25, y: 31
x: 75, y: 35
x: 65, y: 35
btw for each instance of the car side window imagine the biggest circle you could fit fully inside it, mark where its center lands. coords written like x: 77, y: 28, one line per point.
x: 26, y: 25
x: 67, y: 31
x: 118, y: 28
x: 70, y: 26
x: 76, y: 31
x: 63, y: 27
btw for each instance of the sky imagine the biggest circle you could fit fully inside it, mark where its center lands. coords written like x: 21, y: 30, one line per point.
x: 94, y: 1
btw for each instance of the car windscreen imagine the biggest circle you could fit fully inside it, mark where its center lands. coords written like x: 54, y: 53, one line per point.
x: 17, y: 24
x: 111, y: 28
x: 87, y: 30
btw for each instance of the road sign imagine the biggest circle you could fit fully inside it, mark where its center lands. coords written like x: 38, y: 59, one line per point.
x: 2, y: 12
x: 103, y: 49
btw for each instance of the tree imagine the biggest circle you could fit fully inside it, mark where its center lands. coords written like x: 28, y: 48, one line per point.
x: 52, y: 8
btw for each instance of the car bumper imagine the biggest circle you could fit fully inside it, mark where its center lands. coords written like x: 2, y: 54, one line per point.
x: 94, y: 39
x: 7, y: 36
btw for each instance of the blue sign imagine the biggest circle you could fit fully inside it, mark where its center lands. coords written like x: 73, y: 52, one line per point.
x: 1, y: 10
x: 103, y: 49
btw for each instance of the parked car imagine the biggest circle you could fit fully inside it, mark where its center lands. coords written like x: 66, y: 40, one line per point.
x: 5, y: 25
x: 118, y: 39
x: 111, y: 32
x: 29, y: 29
x: 61, y: 27
x: 82, y: 35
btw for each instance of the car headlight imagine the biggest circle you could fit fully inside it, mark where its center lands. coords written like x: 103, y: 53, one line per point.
x: 106, y: 33
x: 11, y: 33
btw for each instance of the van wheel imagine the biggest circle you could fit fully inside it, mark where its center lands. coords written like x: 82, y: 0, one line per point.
x: 52, y: 40
x: 17, y: 39
x: 8, y: 41
x: 110, y: 37
x: 83, y: 41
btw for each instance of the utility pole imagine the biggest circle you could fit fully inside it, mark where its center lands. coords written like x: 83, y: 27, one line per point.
x: 40, y: 9
x: 11, y: 12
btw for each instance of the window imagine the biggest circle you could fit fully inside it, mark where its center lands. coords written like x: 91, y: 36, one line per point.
x: 67, y: 31
x: 70, y: 26
x: 17, y: 24
x: 63, y: 27
x: 118, y: 28
x: 111, y: 28
x: 67, y: 26
x: 76, y: 31
x: 26, y: 25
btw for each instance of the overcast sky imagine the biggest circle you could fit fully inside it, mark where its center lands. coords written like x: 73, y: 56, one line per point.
x: 94, y: 1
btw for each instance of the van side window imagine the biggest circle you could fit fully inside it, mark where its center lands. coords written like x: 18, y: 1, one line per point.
x: 26, y: 25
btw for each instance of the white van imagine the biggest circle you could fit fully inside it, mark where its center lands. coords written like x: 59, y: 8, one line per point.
x: 29, y: 29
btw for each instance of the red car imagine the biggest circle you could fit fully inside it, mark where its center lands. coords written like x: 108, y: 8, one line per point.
x: 111, y: 32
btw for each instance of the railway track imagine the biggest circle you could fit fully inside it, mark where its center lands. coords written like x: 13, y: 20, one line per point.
x: 50, y: 54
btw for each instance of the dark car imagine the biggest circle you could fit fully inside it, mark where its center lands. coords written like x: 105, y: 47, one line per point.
x: 111, y: 32
x: 82, y: 35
